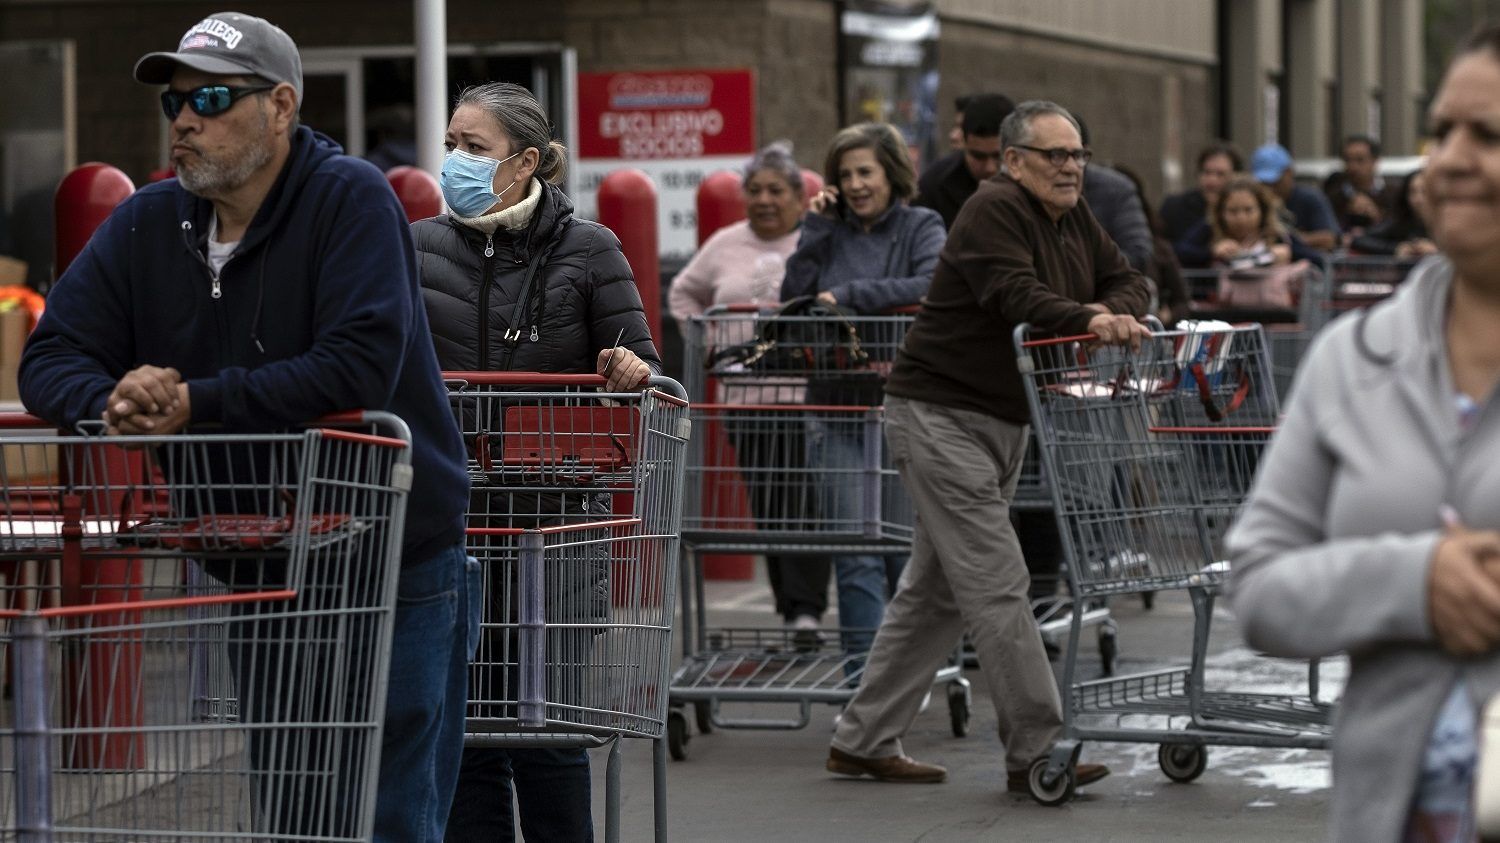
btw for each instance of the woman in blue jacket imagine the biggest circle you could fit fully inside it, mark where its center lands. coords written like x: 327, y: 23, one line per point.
x: 863, y: 249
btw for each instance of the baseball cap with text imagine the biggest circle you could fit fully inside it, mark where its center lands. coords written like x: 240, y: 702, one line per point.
x: 229, y: 43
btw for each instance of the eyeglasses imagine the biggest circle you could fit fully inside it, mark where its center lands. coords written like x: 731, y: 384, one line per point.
x: 207, y: 101
x: 1058, y: 155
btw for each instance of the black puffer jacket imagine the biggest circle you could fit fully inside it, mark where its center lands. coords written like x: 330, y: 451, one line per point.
x: 582, y: 296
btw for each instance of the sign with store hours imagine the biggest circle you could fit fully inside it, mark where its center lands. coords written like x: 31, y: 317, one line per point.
x: 677, y: 126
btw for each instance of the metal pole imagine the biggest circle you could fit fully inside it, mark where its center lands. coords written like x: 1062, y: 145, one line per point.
x: 432, y: 82
x: 33, y: 742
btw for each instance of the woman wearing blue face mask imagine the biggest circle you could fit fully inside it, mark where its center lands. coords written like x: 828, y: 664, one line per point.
x: 513, y: 281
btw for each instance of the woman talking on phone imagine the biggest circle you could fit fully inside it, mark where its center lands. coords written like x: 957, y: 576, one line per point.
x: 863, y: 249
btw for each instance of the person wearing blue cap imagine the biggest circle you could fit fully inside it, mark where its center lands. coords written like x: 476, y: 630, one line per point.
x: 1312, y: 216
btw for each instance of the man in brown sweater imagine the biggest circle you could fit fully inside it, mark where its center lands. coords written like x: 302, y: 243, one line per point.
x: 1024, y: 249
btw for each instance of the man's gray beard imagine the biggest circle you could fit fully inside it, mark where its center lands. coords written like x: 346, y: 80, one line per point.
x: 212, y: 179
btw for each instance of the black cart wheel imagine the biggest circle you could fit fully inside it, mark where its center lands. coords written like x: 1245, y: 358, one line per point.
x: 677, y: 735
x: 703, y: 717
x: 1109, y: 648
x: 1061, y: 789
x: 1182, y: 762
x: 958, y: 709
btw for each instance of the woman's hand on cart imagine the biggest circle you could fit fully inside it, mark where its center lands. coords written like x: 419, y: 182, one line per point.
x: 148, y: 400
x: 622, y: 369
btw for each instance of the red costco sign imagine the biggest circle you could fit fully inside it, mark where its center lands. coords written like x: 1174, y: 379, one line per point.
x: 673, y: 114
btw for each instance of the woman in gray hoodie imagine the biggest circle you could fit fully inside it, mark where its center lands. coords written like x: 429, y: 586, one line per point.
x: 1374, y: 525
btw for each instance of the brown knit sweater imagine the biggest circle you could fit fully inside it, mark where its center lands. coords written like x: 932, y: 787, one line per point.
x: 1006, y: 262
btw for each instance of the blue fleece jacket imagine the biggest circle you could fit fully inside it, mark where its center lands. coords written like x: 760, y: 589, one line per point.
x: 317, y: 311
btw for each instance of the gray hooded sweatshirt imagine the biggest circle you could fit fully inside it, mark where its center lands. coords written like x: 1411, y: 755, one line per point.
x: 1332, y: 550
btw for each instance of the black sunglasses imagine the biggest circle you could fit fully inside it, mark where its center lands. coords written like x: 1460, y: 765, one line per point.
x: 207, y: 101
x: 1059, y: 155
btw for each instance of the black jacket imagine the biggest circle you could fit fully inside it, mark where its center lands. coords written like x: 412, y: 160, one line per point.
x: 945, y: 186
x: 582, y: 297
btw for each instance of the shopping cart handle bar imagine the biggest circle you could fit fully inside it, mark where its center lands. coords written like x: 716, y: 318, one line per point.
x: 365, y: 438
x: 23, y: 421
x: 523, y: 379
x: 1059, y: 341
x: 548, y: 531
x: 154, y: 605
x: 1220, y: 430
x: 811, y: 408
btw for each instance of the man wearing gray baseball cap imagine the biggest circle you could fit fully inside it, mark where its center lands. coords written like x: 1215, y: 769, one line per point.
x: 274, y: 282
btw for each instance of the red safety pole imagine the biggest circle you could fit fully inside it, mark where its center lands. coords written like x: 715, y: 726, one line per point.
x: 811, y: 184
x: 84, y: 199
x: 721, y: 202
x: 418, y: 191
x: 627, y: 206
x: 103, y: 677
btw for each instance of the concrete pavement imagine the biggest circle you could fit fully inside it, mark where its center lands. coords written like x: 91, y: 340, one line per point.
x: 771, y: 786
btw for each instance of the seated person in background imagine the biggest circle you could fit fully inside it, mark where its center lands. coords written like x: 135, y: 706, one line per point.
x: 1359, y: 196
x: 1311, y: 215
x: 952, y: 179
x: 1245, y: 235
x: 1403, y: 232
x: 1181, y: 211
x: 744, y: 263
x: 1243, y: 231
x: 865, y: 250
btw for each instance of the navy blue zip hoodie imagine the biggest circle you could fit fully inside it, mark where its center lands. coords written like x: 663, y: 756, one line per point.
x: 318, y: 311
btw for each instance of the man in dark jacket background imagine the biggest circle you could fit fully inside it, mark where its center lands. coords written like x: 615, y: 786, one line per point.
x: 949, y: 182
x: 274, y: 282
x: 1022, y: 250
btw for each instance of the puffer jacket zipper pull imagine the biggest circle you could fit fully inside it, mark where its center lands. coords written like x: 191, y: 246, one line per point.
x: 216, y: 292
x: 489, y: 246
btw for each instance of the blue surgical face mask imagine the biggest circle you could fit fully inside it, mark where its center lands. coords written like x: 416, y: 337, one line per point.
x: 468, y: 182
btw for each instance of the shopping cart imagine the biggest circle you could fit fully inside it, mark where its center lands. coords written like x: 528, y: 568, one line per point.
x: 198, y: 631
x: 1288, y: 330
x: 1150, y: 454
x: 574, y: 514
x: 764, y: 387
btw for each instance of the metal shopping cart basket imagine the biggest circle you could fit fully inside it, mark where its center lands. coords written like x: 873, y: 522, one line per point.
x: 575, y: 514
x: 198, y: 631
x: 1288, y: 329
x: 766, y: 388
x: 1150, y: 454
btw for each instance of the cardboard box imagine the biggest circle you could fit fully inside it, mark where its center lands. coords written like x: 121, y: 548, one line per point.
x: 12, y: 271
x: 15, y: 324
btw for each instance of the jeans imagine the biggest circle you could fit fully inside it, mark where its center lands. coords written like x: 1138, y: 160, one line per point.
x: 437, y: 629
x: 312, y: 667
x: 865, y: 581
x: 550, y: 787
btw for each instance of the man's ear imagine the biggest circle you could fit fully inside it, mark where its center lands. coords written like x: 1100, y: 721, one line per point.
x: 283, y: 100
x: 1012, y: 162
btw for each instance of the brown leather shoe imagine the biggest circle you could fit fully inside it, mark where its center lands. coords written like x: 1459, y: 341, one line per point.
x: 896, y: 768
x: 1019, y: 782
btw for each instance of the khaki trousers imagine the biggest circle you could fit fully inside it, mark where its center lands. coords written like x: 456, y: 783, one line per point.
x: 966, y: 573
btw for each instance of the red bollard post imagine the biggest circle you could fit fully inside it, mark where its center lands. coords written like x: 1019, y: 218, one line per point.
x: 84, y: 198
x: 627, y: 206
x: 720, y: 201
x: 418, y: 191
x: 104, y: 678
x: 811, y: 184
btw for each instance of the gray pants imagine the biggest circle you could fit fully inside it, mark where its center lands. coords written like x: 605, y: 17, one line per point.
x: 966, y: 573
